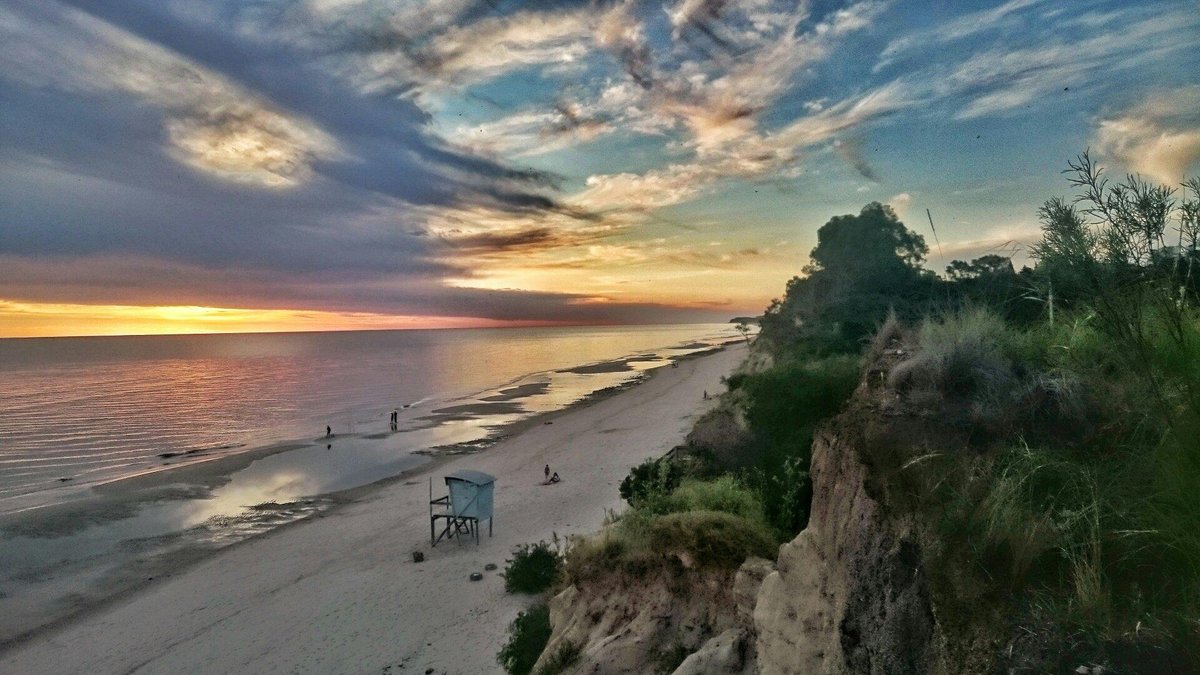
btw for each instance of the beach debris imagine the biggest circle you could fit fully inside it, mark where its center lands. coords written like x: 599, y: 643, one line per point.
x: 64, y: 479
x: 489, y: 567
x: 418, y: 556
x: 476, y: 576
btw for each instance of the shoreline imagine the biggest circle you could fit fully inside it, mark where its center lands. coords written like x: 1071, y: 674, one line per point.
x: 155, y: 486
x: 342, y: 593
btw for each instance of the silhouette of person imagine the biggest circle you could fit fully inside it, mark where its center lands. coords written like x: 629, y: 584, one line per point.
x: 547, y: 472
x: 328, y: 431
x: 555, y: 478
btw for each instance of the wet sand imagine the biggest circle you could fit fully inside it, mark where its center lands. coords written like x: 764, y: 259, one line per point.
x: 340, y: 593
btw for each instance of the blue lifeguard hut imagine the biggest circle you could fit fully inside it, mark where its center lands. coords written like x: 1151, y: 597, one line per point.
x: 469, y: 501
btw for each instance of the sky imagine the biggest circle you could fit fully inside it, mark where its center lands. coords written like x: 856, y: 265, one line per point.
x: 177, y: 166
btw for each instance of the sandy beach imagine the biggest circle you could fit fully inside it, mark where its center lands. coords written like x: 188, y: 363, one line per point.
x: 340, y: 593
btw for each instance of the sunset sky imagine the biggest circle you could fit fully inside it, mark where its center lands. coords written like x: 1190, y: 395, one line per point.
x: 236, y: 165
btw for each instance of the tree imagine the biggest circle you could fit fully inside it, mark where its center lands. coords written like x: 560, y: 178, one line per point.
x: 743, y: 328
x: 862, y: 265
x: 990, y: 266
x: 873, y: 240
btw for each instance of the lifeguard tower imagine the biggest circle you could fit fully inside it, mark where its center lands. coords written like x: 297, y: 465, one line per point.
x: 469, y: 501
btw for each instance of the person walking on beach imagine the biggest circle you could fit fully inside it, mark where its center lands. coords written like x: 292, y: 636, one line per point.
x: 328, y: 431
x: 547, y: 472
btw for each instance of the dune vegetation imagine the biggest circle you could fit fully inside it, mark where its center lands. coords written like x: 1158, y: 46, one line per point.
x: 1072, y: 509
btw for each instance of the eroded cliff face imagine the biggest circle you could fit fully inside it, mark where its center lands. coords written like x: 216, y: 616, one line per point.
x: 852, y: 593
x: 647, y: 623
x: 869, y: 586
x: 849, y: 594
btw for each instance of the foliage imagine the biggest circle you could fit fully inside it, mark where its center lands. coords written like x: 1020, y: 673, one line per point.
x: 784, y: 406
x: 1111, y: 256
x: 725, y: 494
x: 862, y: 266
x: 651, y: 478
x: 533, y: 568
x: 716, y: 523
x: 527, y: 637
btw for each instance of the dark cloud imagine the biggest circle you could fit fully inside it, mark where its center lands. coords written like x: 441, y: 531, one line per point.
x: 851, y: 150
x: 115, y: 193
x: 140, y: 282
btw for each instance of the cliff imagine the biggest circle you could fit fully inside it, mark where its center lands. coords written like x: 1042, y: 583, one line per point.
x: 858, y: 591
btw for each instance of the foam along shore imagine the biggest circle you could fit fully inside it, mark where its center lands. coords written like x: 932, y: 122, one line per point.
x: 340, y: 592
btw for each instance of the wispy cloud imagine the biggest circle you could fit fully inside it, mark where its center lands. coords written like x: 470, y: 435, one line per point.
x: 954, y: 30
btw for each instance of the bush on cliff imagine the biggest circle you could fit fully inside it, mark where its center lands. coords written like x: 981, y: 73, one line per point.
x: 533, y: 568
x: 715, y: 523
x: 651, y: 479
x: 527, y: 637
x: 785, y: 405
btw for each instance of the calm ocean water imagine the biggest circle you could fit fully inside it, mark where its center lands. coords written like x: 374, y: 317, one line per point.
x: 79, y: 411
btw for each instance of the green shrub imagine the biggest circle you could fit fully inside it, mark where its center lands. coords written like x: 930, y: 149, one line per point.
x: 641, y: 542
x: 712, y: 538
x: 651, y: 479
x: 527, y: 637
x: 785, y: 404
x: 533, y: 568
x: 725, y: 494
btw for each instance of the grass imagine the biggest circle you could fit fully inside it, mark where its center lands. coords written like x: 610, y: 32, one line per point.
x: 533, y: 568
x: 966, y: 355
x: 711, y: 524
x: 1089, y: 509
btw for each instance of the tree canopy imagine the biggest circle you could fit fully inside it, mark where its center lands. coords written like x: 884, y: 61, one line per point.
x: 862, y: 265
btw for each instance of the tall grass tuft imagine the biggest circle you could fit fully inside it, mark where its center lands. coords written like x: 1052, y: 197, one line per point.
x: 967, y: 354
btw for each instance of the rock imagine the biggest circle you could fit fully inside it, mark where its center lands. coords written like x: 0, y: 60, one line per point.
x: 849, y: 594
x: 476, y: 576
x: 745, y: 588
x: 725, y: 653
x: 489, y: 567
x: 623, y: 623
x: 418, y: 556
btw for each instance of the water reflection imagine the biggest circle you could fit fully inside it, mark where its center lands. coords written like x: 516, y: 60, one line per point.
x: 42, y: 573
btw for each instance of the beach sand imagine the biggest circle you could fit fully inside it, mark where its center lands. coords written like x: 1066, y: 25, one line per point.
x: 340, y: 594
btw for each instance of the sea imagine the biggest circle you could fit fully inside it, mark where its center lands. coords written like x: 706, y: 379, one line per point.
x: 82, y: 417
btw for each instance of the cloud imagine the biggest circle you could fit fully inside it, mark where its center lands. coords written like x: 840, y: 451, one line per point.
x: 1159, y: 137
x: 947, y: 32
x: 900, y: 203
x: 212, y: 124
x: 1003, y: 78
x: 502, y: 43
x: 1012, y: 241
x: 850, y: 150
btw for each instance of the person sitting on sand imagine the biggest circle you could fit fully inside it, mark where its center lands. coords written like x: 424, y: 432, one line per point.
x: 555, y: 478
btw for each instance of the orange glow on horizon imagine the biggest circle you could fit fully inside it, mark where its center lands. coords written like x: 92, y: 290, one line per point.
x: 31, y: 320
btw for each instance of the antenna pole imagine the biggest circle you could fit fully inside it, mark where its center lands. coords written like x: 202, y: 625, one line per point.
x: 935, y: 237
